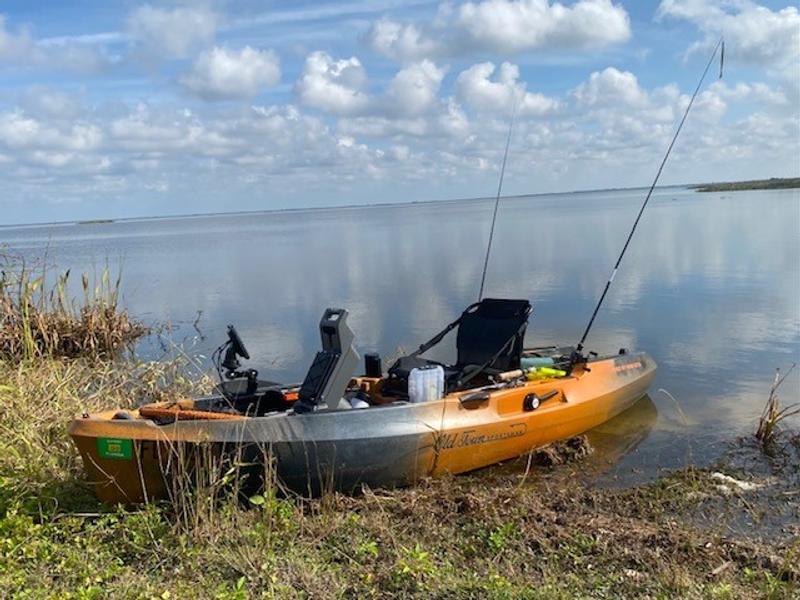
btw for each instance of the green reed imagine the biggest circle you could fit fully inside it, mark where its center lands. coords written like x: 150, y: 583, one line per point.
x: 38, y: 319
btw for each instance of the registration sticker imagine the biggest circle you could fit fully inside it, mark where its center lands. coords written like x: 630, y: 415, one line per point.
x: 115, y: 448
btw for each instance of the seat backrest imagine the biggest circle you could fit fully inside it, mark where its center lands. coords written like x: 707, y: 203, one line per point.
x: 486, y: 327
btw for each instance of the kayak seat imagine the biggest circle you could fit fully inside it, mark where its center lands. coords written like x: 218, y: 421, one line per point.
x: 489, y: 341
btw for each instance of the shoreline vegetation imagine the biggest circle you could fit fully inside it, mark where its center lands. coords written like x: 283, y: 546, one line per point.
x: 774, y: 183
x: 37, y: 321
x: 541, y: 532
x: 94, y: 222
x: 760, y: 184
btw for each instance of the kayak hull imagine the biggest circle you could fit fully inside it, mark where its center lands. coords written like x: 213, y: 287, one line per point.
x: 133, y: 460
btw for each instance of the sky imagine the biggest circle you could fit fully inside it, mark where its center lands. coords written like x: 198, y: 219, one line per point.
x: 127, y: 109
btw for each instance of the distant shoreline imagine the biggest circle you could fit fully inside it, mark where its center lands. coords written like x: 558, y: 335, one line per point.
x: 758, y: 184
x: 774, y: 183
x: 236, y: 213
x: 94, y: 222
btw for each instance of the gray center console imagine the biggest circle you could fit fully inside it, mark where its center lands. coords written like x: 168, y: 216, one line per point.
x: 333, y: 367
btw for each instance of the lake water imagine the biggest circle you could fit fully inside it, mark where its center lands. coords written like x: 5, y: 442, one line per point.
x: 710, y: 287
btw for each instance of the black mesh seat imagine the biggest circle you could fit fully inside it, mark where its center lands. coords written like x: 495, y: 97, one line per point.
x: 489, y: 341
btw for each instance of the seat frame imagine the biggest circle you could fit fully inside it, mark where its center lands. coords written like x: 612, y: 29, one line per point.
x: 459, y: 375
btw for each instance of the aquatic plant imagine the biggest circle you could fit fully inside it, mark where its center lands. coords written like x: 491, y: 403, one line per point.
x: 773, y: 414
x: 41, y: 320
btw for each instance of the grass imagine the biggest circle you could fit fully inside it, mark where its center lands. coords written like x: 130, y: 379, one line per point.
x: 38, y: 464
x: 37, y: 320
x: 773, y: 414
x: 541, y: 535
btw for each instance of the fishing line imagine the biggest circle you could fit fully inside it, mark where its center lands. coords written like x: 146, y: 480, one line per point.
x: 497, y: 199
x: 577, y: 356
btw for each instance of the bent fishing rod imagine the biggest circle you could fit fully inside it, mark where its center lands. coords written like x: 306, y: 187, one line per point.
x: 577, y: 354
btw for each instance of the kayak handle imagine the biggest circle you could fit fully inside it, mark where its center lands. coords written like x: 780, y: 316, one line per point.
x: 475, y: 398
x: 548, y: 395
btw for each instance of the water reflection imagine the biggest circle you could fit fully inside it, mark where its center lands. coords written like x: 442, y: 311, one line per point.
x: 709, y: 287
x: 620, y: 436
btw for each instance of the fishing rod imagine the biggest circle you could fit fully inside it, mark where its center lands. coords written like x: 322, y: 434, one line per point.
x: 577, y: 355
x: 497, y: 199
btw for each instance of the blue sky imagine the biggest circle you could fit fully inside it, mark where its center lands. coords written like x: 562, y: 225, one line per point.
x: 134, y: 109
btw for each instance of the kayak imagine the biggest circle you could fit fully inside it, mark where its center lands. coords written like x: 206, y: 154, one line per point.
x: 383, y: 436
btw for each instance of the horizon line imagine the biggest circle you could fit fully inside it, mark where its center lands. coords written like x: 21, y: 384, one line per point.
x: 101, y: 220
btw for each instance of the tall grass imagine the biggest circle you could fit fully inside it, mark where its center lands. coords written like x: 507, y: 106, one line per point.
x: 39, y: 466
x: 210, y: 486
x: 38, y: 320
x: 773, y: 414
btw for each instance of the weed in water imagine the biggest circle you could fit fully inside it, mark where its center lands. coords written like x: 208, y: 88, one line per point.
x: 773, y: 414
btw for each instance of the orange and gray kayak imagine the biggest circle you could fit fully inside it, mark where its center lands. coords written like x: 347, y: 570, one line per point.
x: 390, y: 442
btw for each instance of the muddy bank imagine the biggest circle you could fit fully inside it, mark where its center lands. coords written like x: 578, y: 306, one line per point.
x: 744, y: 494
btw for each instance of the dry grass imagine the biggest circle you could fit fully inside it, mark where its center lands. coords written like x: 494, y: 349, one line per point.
x: 37, y: 320
x: 39, y: 398
x: 773, y: 414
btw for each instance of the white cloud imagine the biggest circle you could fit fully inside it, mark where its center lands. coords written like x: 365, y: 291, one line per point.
x: 487, y: 88
x: 618, y: 118
x: 17, y: 46
x: 400, y: 41
x: 405, y: 126
x: 453, y: 122
x: 172, y: 33
x: 22, y: 49
x: 754, y: 34
x: 336, y: 86
x: 611, y: 87
x: 756, y: 91
x: 42, y: 144
x: 19, y: 131
x: 340, y: 87
x: 608, y: 136
x: 513, y: 26
x: 378, y: 127
x: 504, y: 27
x: 221, y: 73
x: 78, y: 57
x: 414, y: 89
x: 154, y: 147
x: 50, y: 103
x: 617, y: 98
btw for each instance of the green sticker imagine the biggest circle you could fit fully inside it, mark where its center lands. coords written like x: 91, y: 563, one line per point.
x: 115, y: 448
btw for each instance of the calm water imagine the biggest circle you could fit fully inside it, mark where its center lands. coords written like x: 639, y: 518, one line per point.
x: 710, y: 288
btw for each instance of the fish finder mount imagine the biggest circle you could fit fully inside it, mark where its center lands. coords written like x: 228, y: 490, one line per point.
x: 235, y: 348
